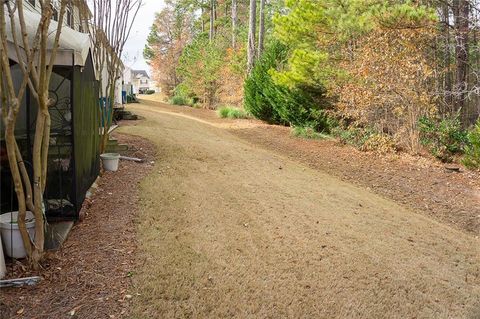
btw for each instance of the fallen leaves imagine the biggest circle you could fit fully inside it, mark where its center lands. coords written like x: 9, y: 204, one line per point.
x: 87, y: 277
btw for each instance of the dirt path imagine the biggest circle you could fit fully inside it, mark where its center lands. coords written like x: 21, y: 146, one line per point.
x: 228, y: 229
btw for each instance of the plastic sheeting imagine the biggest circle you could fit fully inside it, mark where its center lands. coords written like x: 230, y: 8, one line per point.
x: 73, y: 45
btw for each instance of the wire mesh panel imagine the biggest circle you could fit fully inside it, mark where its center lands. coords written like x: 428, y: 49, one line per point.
x: 59, y: 197
x: 86, y: 129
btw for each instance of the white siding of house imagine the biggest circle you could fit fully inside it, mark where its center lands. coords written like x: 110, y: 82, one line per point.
x: 75, y: 12
x: 118, y: 86
x: 127, y: 75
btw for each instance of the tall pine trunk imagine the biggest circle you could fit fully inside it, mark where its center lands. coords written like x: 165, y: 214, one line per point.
x: 234, y: 24
x: 447, y: 85
x: 461, y: 12
x: 251, y: 36
x: 203, y: 20
x: 212, y: 20
x: 261, y: 31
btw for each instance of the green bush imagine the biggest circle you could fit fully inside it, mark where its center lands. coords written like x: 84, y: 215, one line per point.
x: 179, y: 100
x: 131, y: 98
x: 255, y: 95
x: 274, y: 103
x: 307, y: 132
x: 354, y: 135
x: 366, y: 139
x: 443, y: 137
x: 182, y: 96
x: 182, y: 90
x: 232, y: 113
x: 472, y: 150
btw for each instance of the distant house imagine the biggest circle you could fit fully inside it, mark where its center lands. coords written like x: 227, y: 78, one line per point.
x: 73, y: 157
x: 141, y: 81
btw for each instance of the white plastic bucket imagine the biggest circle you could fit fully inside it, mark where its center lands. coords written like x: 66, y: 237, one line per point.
x: 11, y: 237
x: 110, y: 161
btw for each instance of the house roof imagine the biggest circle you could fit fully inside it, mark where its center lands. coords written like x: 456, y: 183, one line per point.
x: 141, y: 73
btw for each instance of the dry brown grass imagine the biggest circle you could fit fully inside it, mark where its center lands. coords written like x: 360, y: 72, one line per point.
x: 156, y: 97
x: 229, y: 230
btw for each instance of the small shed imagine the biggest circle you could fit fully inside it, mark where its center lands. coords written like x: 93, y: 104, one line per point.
x: 73, y: 158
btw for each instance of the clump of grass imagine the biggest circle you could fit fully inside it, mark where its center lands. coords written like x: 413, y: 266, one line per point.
x: 307, y: 132
x: 182, y: 101
x: 232, y: 113
x: 472, y: 148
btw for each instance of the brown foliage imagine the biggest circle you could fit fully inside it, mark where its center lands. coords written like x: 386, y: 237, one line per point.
x: 172, y: 37
x: 389, y: 82
x: 231, y: 87
x: 164, y: 68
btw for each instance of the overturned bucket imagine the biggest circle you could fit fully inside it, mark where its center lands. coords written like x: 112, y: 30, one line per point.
x: 110, y: 161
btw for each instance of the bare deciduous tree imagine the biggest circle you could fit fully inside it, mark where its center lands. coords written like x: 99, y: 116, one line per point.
x: 112, y: 25
x: 35, y: 54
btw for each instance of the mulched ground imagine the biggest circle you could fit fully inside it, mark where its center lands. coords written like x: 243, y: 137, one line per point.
x: 422, y: 184
x: 89, y: 277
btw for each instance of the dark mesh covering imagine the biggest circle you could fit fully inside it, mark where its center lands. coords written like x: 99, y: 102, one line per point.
x: 59, y: 193
x: 73, y: 157
x: 86, y: 129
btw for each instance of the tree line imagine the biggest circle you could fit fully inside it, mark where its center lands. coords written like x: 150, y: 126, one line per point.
x: 383, y: 75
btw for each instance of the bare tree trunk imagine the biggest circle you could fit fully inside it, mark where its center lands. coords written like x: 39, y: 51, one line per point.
x: 112, y: 24
x: 447, y: 57
x: 203, y: 20
x: 461, y: 14
x: 36, y: 64
x: 215, y: 14
x: 10, y: 108
x: 212, y: 20
x: 37, y: 182
x: 17, y: 180
x: 251, y: 36
x: 234, y: 24
x: 261, y: 31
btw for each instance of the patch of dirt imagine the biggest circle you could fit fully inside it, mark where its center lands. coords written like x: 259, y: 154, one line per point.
x: 90, y: 275
x: 422, y: 184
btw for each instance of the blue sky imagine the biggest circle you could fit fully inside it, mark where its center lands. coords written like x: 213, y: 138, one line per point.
x: 133, y: 48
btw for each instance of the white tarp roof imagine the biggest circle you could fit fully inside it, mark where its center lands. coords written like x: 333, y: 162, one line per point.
x: 70, y: 42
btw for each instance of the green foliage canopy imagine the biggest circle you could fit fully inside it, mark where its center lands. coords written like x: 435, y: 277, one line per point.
x: 322, y: 33
x: 278, y: 103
